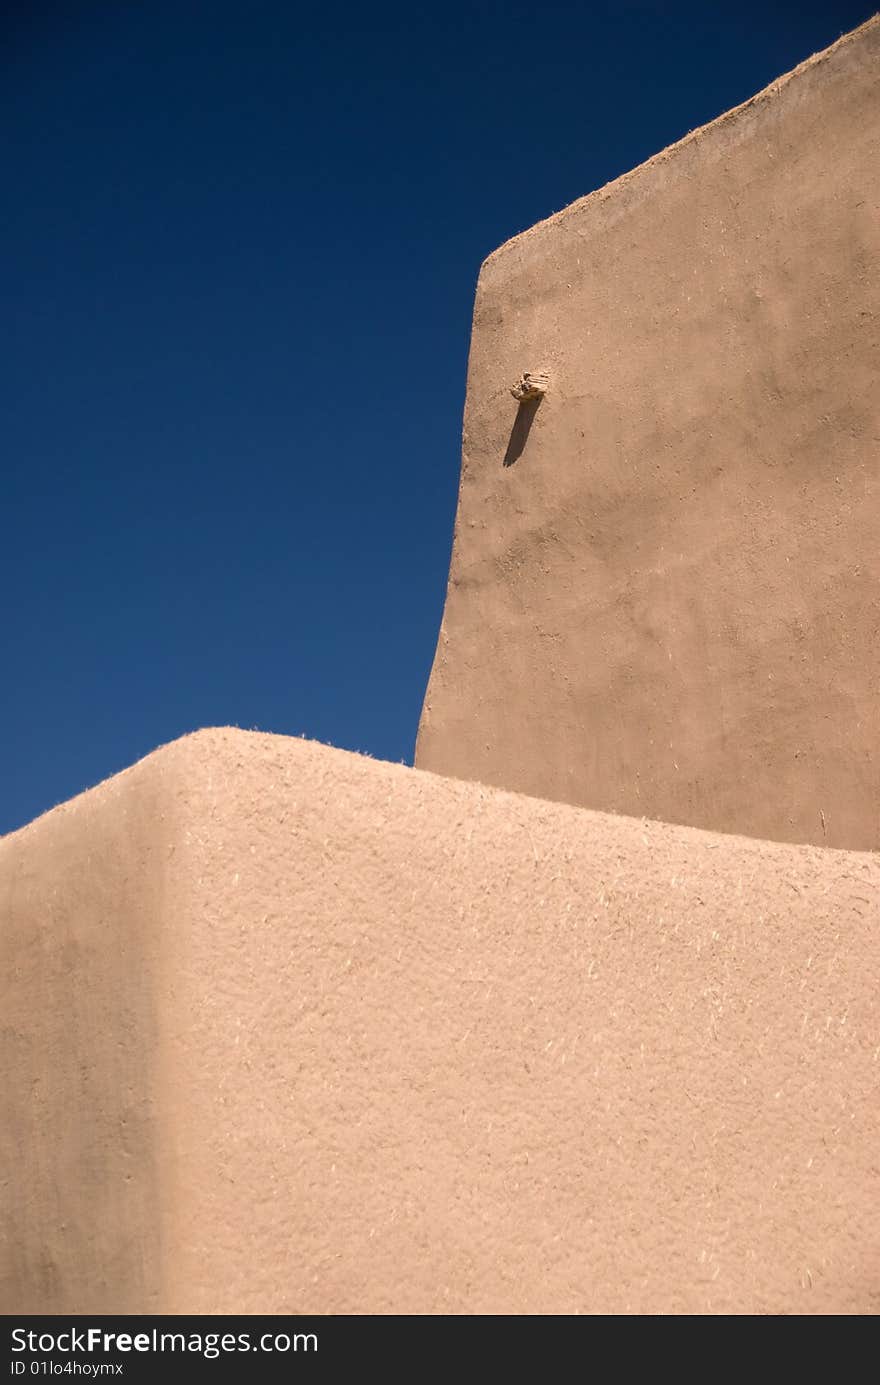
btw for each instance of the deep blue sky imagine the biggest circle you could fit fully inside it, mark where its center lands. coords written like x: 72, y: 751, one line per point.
x: 238, y: 250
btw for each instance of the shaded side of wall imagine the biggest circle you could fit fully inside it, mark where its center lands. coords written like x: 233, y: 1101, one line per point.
x: 428, y: 1047
x: 81, y: 907
x: 666, y: 603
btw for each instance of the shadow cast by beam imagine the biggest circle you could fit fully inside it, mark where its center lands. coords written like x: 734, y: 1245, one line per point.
x: 522, y: 424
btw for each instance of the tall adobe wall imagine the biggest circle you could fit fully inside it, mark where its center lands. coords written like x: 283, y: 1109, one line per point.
x: 666, y: 603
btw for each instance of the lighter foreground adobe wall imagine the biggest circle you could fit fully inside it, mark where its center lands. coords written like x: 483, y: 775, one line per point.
x: 668, y: 604
x: 289, y: 1030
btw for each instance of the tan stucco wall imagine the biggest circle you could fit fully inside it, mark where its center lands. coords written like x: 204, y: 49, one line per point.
x: 668, y: 604
x: 293, y: 1030
x: 81, y: 918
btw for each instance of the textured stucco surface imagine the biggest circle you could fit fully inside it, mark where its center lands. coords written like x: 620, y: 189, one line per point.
x: 288, y: 1029
x: 81, y: 912
x: 668, y: 604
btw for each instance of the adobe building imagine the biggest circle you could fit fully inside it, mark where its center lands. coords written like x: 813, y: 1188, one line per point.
x: 288, y: 1030
x: 666, y: 603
